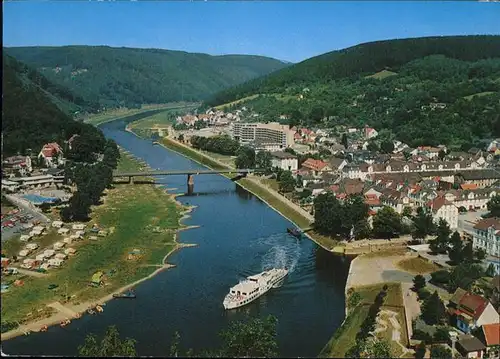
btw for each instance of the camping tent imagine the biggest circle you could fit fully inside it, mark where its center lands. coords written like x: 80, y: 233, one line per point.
x: 97, y: 278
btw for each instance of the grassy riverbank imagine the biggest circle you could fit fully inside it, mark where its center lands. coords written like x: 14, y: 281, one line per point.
x: 143, y: 217
x: 345, y: 336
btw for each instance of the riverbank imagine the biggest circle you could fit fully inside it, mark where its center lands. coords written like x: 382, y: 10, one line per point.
x: 146, y: 219
x: 292, y: 212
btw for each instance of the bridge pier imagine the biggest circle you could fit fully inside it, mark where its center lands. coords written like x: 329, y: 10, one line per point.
x: 190, y: 184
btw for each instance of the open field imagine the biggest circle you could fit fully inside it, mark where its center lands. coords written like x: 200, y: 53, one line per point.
x: 417, y: 265
x: 159, y: 120
x: 146, y: 218
x: 381, y: 75
x: 223, y: 106
x: 97, y: 119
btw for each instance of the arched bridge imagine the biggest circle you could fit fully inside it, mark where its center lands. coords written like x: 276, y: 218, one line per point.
x: 189, y: 173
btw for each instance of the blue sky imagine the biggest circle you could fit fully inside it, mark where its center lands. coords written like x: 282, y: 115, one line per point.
x: 292, y: 31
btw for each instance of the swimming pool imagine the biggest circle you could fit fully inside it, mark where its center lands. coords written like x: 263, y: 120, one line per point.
x: 36, y: 199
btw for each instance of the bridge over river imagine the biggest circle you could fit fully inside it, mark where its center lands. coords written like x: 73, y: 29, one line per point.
x: 240, y: 173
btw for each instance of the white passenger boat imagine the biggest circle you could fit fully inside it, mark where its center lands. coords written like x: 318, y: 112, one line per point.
x: 253, y: 287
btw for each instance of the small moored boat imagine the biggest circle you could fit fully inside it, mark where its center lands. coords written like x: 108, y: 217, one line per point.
x: 294, y: 232
x: 129, y: 294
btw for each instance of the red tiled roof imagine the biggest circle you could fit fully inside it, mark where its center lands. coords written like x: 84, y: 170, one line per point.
x: 492, y: 334
x: 438, y: 202
x: 468, y: 186
x: 316, y: 165
x: 473, y: 305
x: 50, y: 149
x: 487, y: 223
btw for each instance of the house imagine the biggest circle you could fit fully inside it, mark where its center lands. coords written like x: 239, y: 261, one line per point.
x: 370, y: 133
x: 57, y: 224
x: 482, y: 177
x: 61, y: 256
x: 284, y: 160
x: 63, y: 231
x: 49, y: 253
x: 52, y: 154
x: 55, y: 262
x: 315, y: 166
x: 25, y: 237
x: 59, y: 245
x: 23, y: 253
x: 487, y: 236
x: 40, y: 257
x: 18, y: 163
x: 490, y: 336
x: 337, y: 164
x: 78, y: 227
x: 97, y: 279
x: 34, y: 181
x: 70, y: 251
x: 32, y: 246
x: 443, y: 209
x: 470, y: 347
x: 471, y: 311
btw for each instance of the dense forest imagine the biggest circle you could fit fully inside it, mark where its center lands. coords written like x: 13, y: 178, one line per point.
x: 423, y: 91
x: 129, y: 77
x: 30, y: 118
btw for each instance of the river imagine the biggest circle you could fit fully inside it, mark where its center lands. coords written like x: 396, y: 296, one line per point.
x: 238, y: 235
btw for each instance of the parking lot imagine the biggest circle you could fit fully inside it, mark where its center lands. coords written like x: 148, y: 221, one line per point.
x: 13, y: 221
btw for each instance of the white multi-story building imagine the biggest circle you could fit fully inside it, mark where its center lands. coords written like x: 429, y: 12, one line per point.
x: 264, y: 133
x: 487, y: 236
x: 285, y: 161
x: 442, y: 208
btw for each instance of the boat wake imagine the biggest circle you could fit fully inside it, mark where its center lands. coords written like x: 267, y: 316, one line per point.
x: 283, y: 253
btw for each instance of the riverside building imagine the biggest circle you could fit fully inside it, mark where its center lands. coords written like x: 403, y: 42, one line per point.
x: 271, y: 134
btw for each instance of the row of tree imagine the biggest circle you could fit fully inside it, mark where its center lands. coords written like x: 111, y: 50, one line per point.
x: 224, y: 145
x: 250, y: 338
x: 91, y: 176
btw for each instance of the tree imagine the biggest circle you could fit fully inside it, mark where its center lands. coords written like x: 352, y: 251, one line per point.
x: 181, y: 137
x: 174, y: 347
x: 468, y: 253
x: 245, y: 157
x: 423, y: 224
x: 420, y: 351
x: 372, y: 146
x: 354, y: 299
x: 433, y: 310
x: 480, y: 254
x: 440, y: 352
x: 327, y: 213
x: 345, y: 141
x: 464, y: 274
x: 387, y: 146
x: 418, y: 282
x: 263, y: 160
x: 407, y: 212
x: 254, y: 338
x: 440, y: 243
x: 442, y: 154
x: 110, y: 345
x: 386, y: 223
x: 494, y: 206
x: 287, y: 182
x: 378, y: 349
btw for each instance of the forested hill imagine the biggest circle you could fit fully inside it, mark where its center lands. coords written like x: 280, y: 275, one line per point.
x: 128, y: 76
x: 423, y: 90
x: 365, y: 59
x: 30, y: 116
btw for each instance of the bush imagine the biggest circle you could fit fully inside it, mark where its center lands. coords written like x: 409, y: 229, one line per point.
x: 441, y: 276
x: 421, y: 335
x: 441, y: 335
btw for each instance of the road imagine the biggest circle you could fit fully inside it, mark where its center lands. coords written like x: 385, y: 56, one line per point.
x: 466, y: 221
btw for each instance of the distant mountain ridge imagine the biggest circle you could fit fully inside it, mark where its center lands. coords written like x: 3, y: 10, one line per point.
x: 131, y: 76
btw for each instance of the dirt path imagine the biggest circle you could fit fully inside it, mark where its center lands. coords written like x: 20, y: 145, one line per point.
x: 31, y: 273
x: 64, y: 310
